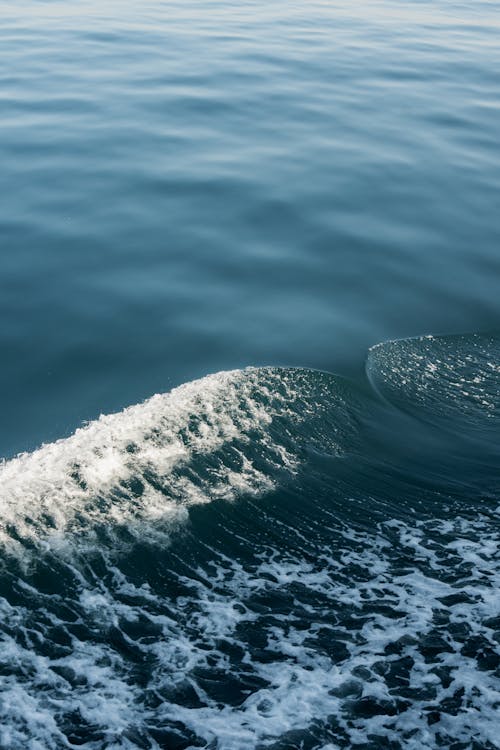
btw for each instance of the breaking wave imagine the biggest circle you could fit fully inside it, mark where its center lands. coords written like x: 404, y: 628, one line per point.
x: 349, y: 598
x: 228, y: 434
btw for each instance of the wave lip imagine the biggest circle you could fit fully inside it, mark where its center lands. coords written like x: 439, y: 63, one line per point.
x: 230, y: 433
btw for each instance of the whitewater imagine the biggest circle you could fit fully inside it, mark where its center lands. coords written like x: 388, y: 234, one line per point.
x: 263, y: 558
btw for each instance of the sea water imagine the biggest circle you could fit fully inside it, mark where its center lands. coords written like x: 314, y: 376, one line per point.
x: 262, y: 239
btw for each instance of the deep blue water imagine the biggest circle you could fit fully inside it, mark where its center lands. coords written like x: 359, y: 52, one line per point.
x: 275, y: 557
x: 189, y: 187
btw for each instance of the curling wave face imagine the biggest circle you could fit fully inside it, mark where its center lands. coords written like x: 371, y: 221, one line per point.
x: 348, y: 598
x: 225, y: 435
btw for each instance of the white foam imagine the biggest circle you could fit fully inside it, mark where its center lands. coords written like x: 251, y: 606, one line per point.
x: 374, y: 598
x: 299, y: 687
x: 304, y: 684
x: 74, y: 484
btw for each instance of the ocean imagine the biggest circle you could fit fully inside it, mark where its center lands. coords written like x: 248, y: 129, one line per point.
x: 250, y: 381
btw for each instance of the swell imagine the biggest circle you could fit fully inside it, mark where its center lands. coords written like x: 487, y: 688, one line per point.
x: 241, y: 433
x: 229, y: 434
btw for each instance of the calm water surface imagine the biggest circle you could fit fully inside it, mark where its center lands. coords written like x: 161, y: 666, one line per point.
x: 189, y: 187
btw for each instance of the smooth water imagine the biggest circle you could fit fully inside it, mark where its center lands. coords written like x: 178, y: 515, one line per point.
x: 271, y: 556
x: 191, y: 187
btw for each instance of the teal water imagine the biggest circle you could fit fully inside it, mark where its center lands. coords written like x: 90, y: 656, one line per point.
x: 236, y: 202
x: 191, y: 187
